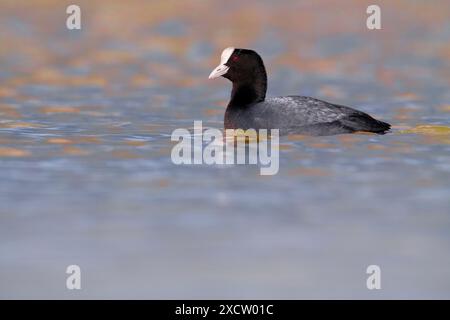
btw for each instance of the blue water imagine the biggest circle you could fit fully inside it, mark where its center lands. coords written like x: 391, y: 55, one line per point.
x: 86, y: 176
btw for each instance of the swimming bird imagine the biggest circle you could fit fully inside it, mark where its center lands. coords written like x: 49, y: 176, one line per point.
x: 250, y: 109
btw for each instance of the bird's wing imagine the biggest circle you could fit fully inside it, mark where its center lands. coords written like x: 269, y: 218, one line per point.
x: 298, y: 111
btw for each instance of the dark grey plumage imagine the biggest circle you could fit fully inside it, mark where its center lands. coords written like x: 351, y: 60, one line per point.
x: 302, y: 115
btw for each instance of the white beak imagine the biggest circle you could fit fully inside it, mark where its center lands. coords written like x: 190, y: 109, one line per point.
x: 222, y: 68
x: 219, y: 71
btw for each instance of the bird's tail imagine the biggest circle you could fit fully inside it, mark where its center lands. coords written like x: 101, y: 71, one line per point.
x: 364, y: 122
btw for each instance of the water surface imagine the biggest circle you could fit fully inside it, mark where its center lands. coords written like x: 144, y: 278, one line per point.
x: 86, y: 176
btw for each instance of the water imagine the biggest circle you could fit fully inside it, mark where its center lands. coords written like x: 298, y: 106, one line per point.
x: 86, y: 176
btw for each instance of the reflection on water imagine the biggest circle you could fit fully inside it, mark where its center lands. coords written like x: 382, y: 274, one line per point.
x: 85, y: 169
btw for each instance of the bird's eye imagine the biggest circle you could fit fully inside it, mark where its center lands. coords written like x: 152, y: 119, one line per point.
x: 235, y: 58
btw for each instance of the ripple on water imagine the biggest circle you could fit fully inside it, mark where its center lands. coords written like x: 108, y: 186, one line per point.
x: 85, y: 168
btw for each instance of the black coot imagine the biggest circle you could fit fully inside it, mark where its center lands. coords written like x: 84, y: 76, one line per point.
x: 249, y: 108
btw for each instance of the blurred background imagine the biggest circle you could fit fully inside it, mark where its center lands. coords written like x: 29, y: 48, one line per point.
x: 86, y: 176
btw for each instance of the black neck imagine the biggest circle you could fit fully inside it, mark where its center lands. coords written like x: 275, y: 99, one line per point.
x: 251, y: 91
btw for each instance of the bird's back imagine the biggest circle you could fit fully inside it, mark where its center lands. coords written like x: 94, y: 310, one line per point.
x: 302, y: 115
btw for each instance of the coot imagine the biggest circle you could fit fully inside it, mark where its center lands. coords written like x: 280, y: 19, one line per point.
x: 248, y: 107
